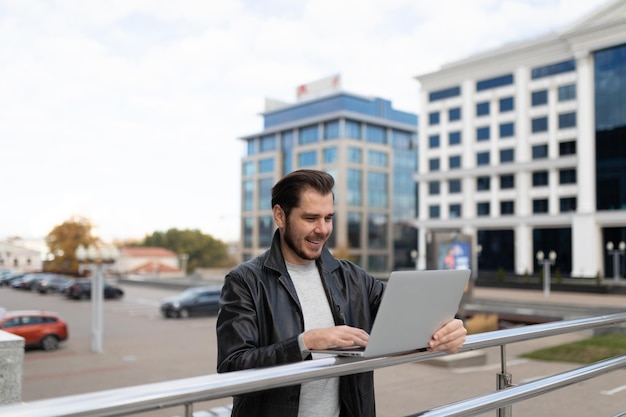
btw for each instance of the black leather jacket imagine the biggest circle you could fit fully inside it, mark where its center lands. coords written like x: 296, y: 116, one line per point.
x: 260, y: 319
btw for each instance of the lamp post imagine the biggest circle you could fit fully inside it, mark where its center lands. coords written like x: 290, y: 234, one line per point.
x: 414, y: 257
x: 97, y: 261
x: 616, y: 253
x: 183, y: 263
x: 546, y: 262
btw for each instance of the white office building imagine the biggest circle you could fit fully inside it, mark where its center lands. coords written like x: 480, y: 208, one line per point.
x: 523, y: 148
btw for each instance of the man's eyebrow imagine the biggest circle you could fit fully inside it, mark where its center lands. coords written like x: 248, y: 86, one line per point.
x: 307, y: 214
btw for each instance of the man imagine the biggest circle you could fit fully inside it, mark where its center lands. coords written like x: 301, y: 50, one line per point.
x: 296, y: 297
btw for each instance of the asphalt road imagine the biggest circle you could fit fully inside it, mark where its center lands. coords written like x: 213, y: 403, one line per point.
x: 141, y: 347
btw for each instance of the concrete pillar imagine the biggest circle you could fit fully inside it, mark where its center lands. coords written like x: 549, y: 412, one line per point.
x: 11, y: 365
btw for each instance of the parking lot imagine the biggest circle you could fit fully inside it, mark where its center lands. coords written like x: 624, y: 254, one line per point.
x: 142, y: 347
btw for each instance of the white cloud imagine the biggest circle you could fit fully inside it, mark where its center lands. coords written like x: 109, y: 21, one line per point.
x: 128, y: 111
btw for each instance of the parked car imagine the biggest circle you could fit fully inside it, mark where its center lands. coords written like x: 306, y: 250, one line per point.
x: 193, y: 301
x: 26, y: 282
x: 81, y: 289
x: 51, y: 283
x: 7, y: 279
x: 43, y: 329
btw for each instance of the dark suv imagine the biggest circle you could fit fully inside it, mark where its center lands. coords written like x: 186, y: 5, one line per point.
x: 81, y: 289
x: 191, y: 302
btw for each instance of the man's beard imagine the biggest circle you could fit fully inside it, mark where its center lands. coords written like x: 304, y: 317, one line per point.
x: 292, y: 245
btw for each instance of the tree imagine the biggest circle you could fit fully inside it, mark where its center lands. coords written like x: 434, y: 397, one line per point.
x: 62, y: 242
x: 204, y: 251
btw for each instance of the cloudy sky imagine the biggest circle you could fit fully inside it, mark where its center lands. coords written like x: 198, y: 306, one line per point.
x: 128, y: 112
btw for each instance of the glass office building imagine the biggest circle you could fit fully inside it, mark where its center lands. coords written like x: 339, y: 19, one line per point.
x: 370, y: 150
x: 523, y: 148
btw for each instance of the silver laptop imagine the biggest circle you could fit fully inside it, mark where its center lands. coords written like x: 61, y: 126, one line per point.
x: 415, y: 305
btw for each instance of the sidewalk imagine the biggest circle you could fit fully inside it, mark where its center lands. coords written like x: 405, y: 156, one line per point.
x: 555, y: 297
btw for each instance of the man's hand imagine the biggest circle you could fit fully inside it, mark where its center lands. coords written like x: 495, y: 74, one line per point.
x: 341, y: 336
x: 449, y: 338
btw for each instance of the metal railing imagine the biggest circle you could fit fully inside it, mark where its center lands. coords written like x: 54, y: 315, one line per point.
x: 186, y: 392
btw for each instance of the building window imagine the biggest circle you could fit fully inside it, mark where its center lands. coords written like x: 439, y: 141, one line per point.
x: 567, y: 92
x: 482, y: 109
x: 567, y: 204
x: 455, y: 162
x: 443, y: 94
x: 248, y: 168
x: 507, y: 155
x: 354, y: 186
x: 567, y: 120
x: 483, y: 133
x: 265, y: 193
x: 266, y: 165
x: 454, y: 114
x: 540, y: 206
x: 331, y: 155
x: 539, y: 124
x: 377, y: 190
x: 548, y: 70
x: 355, y: 226
x: 567, y: 176
x: 266, y: 227
x: 307, y: 159
x: 375, y: 134
x: 507, y: 130
x: 482, y: 158
x: 433, y: 118
x: 355, y: 155
x: 507, y: 207
x: 433, y: 212
x: 454, y: 186
x: 248, y: 230
x: 539, y: 98
x: 433, y: 141
x: 251, y: 148
x: 482, y: 209
x: 433, y: 187
x: 507, y: 181
x: 377, y: 230
x: 268, y: 143
x: 308, y: 134
x: 540, y: 151
x: 483, y: 183
x: 494, y: 82
x: 433, y: 164
x: 353, y: 129
x: 540, y: 178
x: 377, y: 158
x: 567, y: 148
x: 248, y: 195
x: 455, y: 211
x: 331, y: 130
x: 401, y: 139
x: 507, y: 104
x: 454, y: 138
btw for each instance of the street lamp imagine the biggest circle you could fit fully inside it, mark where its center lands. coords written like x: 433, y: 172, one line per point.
x: 97, y: 261
x: 183, y: 261
x: 546, y: 262
x: 616, y: 253
x: 414, y: 257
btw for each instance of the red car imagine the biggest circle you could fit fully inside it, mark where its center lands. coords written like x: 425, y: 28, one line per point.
x: 43, y: 329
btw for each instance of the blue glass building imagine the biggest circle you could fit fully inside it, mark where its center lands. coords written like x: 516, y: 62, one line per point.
x: 370, y: 150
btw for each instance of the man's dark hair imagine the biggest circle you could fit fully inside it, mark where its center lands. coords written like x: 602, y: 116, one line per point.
x: 286, y: 193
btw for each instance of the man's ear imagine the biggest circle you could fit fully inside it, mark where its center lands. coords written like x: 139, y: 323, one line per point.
x: 279, y: 215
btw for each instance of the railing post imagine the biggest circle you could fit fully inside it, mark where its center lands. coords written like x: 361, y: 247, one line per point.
x: 505, y: 380
x: 189, y: 410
